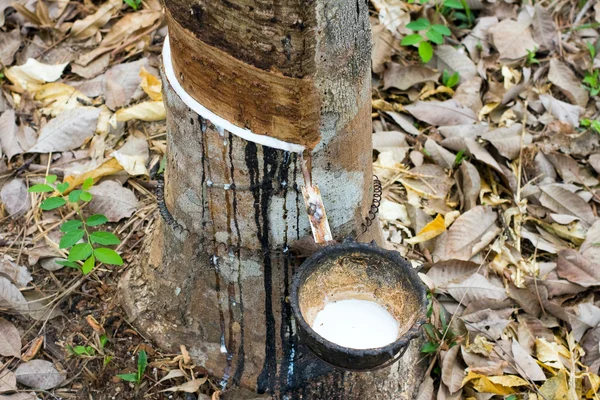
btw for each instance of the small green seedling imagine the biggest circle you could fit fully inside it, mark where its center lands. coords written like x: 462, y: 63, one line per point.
x: 142, y: 363
x: 592, y: 82
x: 79, y: 230
x: 433, y: 32
x: 531, y: 57
x: 450, y: 80
x: 460, y: 156
x: 135, y: 4
x: 82, y: 351
x: 592, y: 124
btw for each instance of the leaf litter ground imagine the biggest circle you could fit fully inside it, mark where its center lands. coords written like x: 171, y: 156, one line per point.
x: 490, y: 188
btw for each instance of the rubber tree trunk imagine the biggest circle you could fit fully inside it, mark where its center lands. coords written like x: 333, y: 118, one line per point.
x: 299, y: 71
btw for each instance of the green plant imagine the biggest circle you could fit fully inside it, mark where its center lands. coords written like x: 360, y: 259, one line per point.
x: 592, y: 124
x: 142, y: 363
x: 531, y: 57
x: 75, y: 230
x: 438, y: 335
x: 460, y: 156
x: 433, y: 32
x: 87, y: 351
x: 450, y: 80
x: 592, y: 82
x: 135, y: 4
x: 591, y: 49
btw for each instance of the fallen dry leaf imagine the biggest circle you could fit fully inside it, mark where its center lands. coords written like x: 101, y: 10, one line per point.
x: 562, y: 201
x: 449, y: 58
x: 526, y: 364
x: 401, y: 77
x: 442, y: 113
x: 564, y: 79
x: 9, y: 139
x: 33, y: 349
x: 188, y: 387
x: 476, y: 288
x: 471, y: 232
x: 39, y: 374
x: 58, y: 97
x: 112, y: 200
x: 453, y: 370
x: 11, y: 297
x: 15, y: 198
x: 18, y: 274
x: 146, y: 111
x: 33, y: 73
x: 8, y: 381
x: 431, y: 230
x: 544, y: 28
x: 562, y: 111
x: 134, y: 155
x: 68, y: 131
x: 9, y: 45
x: 512, y: 39
x: 90, y: 25
x: 576, y: 268
x: 10, y: 339
x: 109, y: 167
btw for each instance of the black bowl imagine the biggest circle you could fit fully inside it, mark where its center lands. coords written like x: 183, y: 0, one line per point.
x: 358, y: 271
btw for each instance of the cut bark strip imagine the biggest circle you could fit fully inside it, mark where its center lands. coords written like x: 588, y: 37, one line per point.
x: 265, y: 102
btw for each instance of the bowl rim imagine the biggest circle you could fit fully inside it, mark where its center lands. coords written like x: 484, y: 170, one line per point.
x: 328, y: 251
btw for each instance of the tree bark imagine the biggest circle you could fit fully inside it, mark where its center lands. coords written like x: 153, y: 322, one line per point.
x: 297, y: 71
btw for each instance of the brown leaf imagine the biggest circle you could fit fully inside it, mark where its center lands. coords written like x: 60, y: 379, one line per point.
x: 530, y: 328
x: 583, y: 317
x: 39, y: 374
x: 129, y: 24
x: 576, y: 268
x: 20, y: 396
x: 18, y: 274
x: 9, y: 138
x: 468, y: 94
x: 93, y: 69
x: 590, y: 344
x: 477, y: 42
x: 563, y: 78
x: 471, y: 232
x: 112, y: 200
x: 68, y: 131
x: 469, y: 185
x: 554, y: 286
x: 15, y: 198
x: 490, y: 323
x: 570, y: 170
x: 544, y: 28
x: 490, y: 364
x: 9, y: 45
x: 426, y: 389
x: 562, y: 201
x: 507, y: 140
x: 188, y: 387
x: 90, y: 25
x: 33, y: 349
x: 404, y: 122
x: 428, y: 180
x: 512, y: 39
x: 442, y: 113
x: 8, y: 381
x: 453, y: 370
x: 562, y: 111
x: 382, y: 48
x: 40, y: 308
x: 440, y: 155
x: 400, y: 77
x: 526, y: 364
x: 121, y: 82
x: 449, y: 58
x: 526, y: 298
x: 477, y: 287
x: 590, y: 248
x: 10, y: 339
x: 452, y: 271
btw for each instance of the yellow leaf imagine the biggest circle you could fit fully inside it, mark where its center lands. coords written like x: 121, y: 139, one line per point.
x: 595, y: 385
x: 107, y: 168
x: 146, y: 111
x: 33, y: 73
x: 548, y: 353
x: 508, y: 380
x: 151, y: 85
x: 556, y: 388
x: 90, y: 25
x: 129, y: 24
x: 488, y: 108
x: 58, y: 97
x: 431, y: 230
